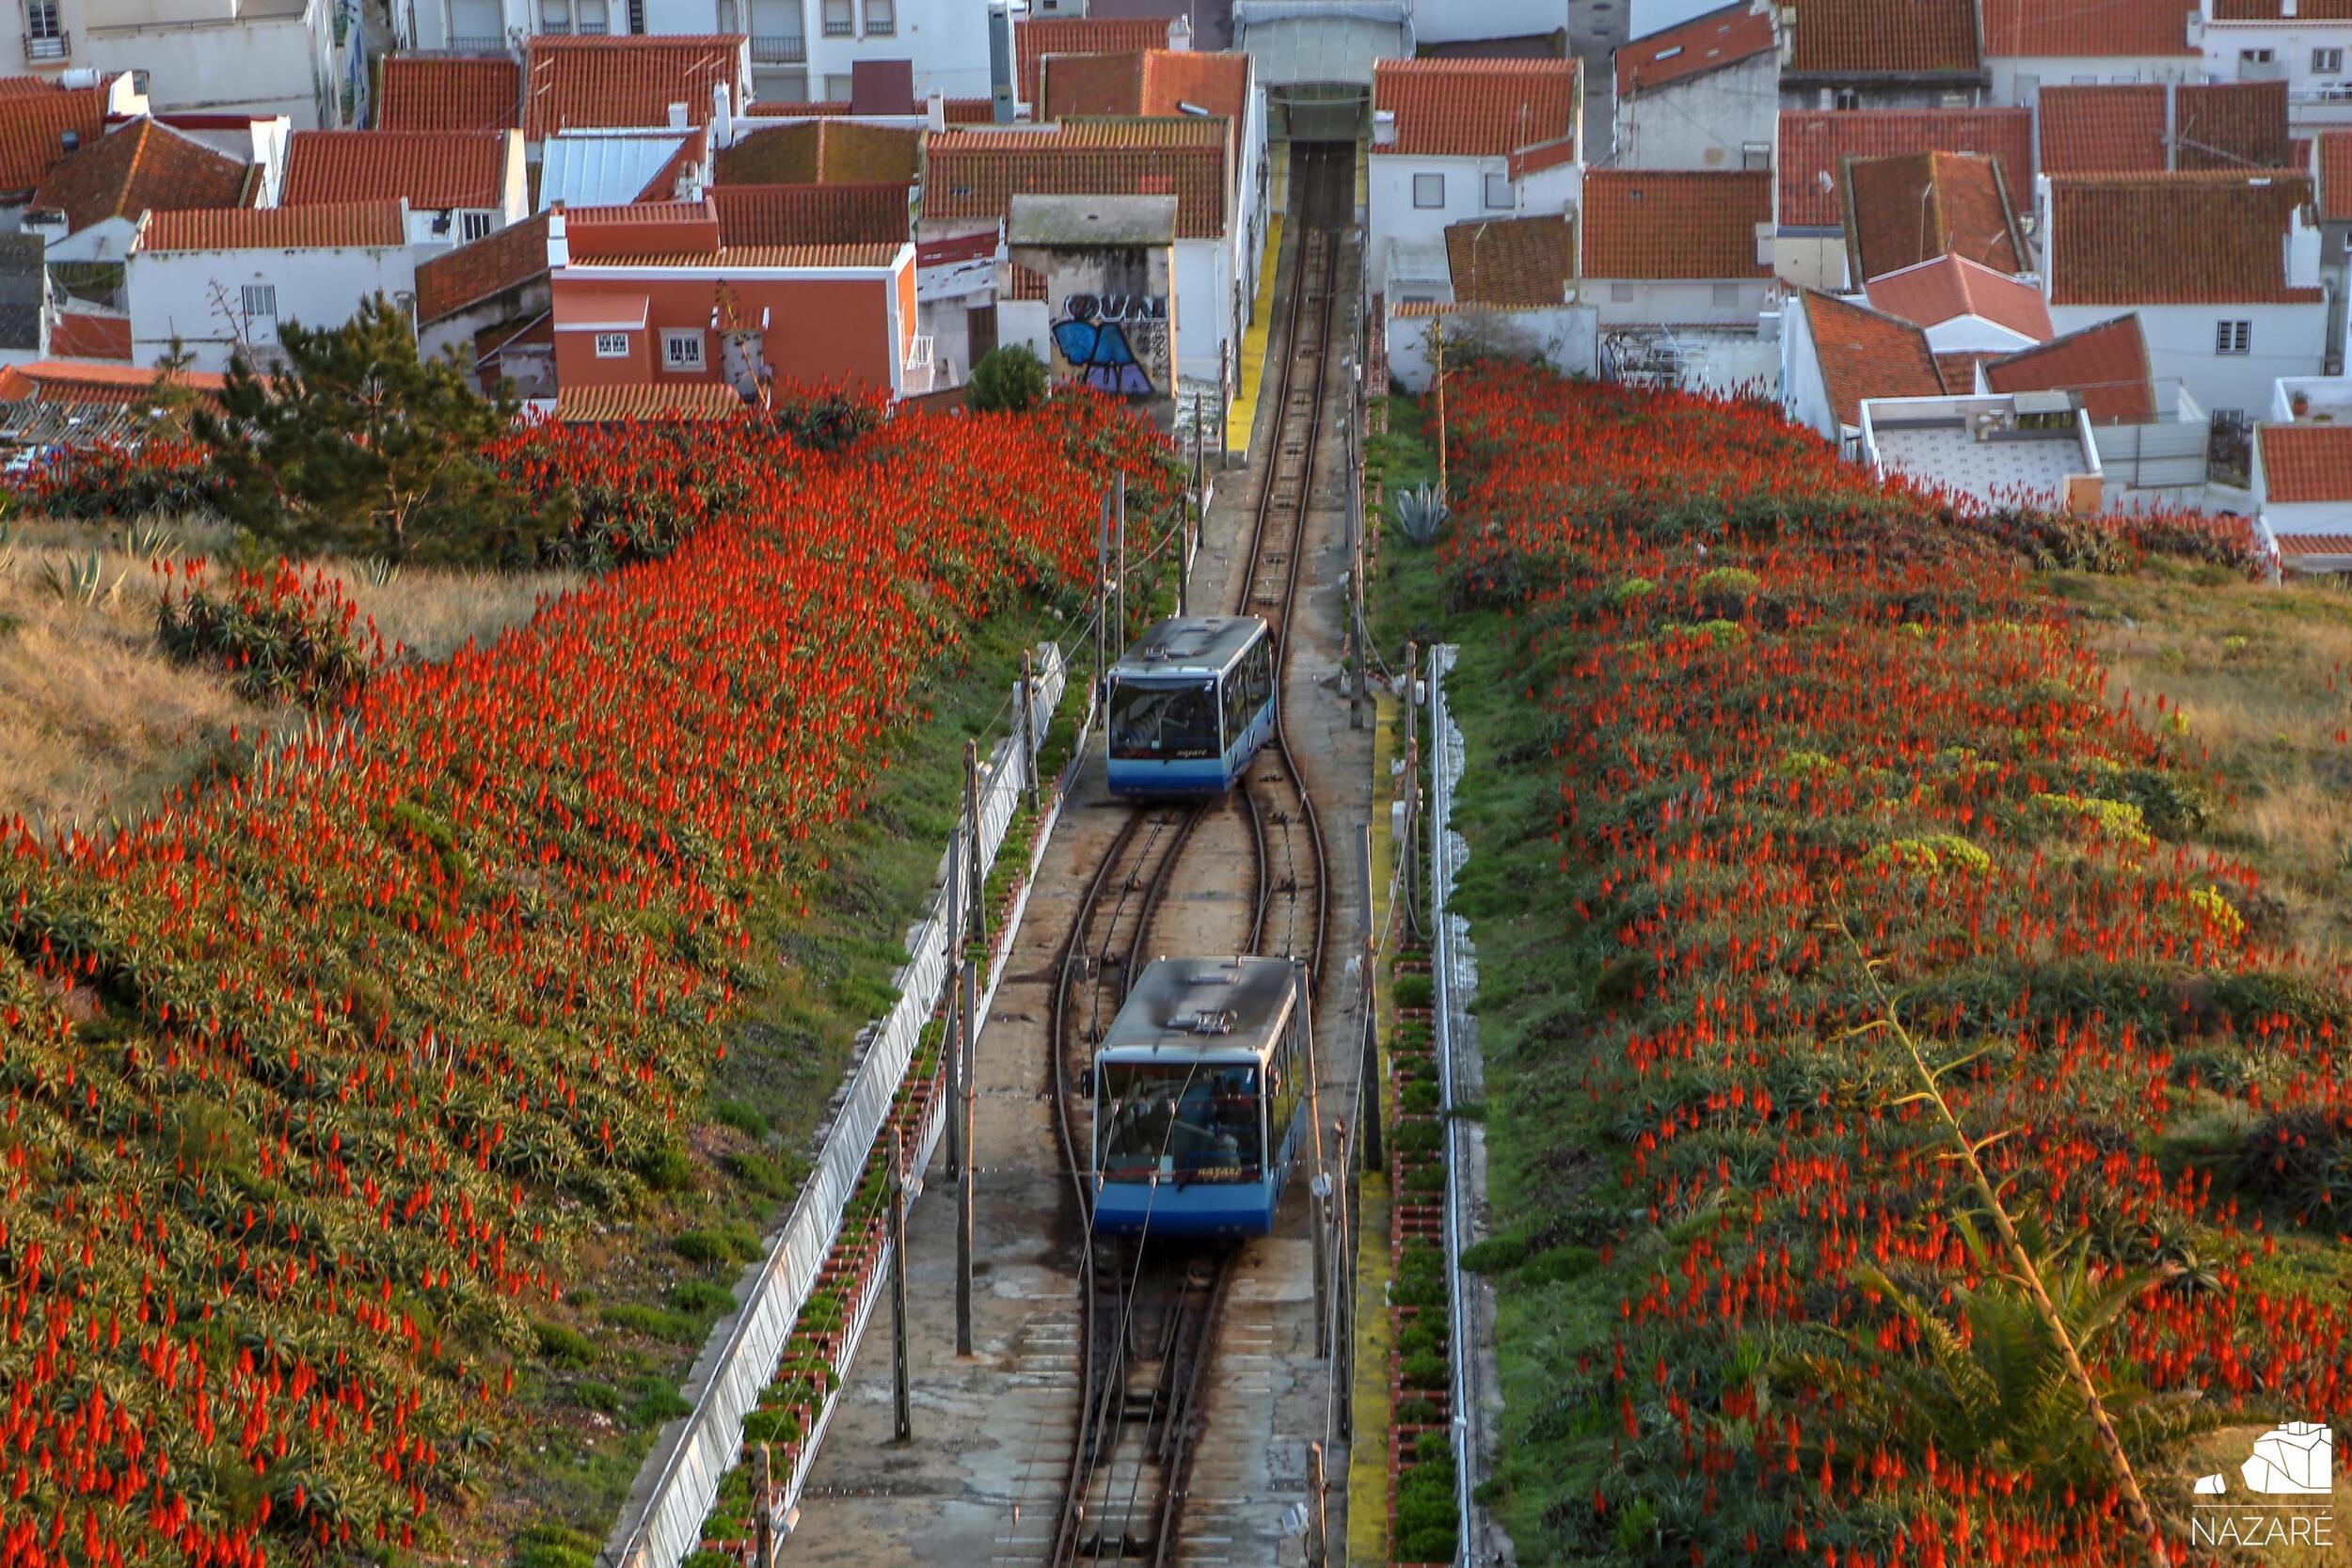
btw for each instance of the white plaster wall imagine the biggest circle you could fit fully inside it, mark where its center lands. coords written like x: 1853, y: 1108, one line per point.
x: 272, y: 66
x: 2291, y: 46
x: 107, y: 240
x: 1676, y: 301
x: 1393, y: 214
x: 1701, y: 121
x: 1807, y: 260
x: 2308, y: 516
x: 1203, y: 305
x: 948, y: 41
x: 1802, y: 392
x: 1568, y: 338
x: 2017, y: 79
x: 1458, y: 21
x: 2288, y: 339
x: 174, y: 292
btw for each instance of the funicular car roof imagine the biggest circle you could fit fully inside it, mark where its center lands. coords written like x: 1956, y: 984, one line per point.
x: 1256, y: 994
x: 1189, y: 646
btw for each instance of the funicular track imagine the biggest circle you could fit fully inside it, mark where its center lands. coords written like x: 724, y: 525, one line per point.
x: 1149, y: 1310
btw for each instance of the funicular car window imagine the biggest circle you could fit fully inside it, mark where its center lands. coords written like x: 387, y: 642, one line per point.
x: 1196, y: 1123
x: 1164, y: 721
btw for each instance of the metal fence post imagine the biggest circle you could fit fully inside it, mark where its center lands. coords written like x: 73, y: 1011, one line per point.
x: 1027, y: 741
x: 964, y: 1044
x: 898, y: 1302
x: 972, y: 826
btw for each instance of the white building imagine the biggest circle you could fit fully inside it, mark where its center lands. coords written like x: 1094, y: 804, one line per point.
x: 2229, y: 308
x: 1835, y: 355
x: 1678, y: 249
x: 2307, y: 45
x: 1454, y: 140
x: 457, y: 186
x: 1992, y: 447
x: 1470, y: 21
x: 2032, y: 44
x: 1964, y: 307
x: 224, y: 280
x: 300, y: 58
x: 2302, y: 480
x: 1702, y: 95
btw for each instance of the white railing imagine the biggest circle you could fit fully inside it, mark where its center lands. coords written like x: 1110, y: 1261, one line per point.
x: 662, y: 1522
x: 922, y: 369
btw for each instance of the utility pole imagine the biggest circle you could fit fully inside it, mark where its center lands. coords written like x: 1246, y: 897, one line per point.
x: 1344, y: 1353
x: 953, y: 1064
x: 1028, y: 726
x: 898, y: 1302
x: 955, y: 903
x: 1121, y: 579
x: 966, y: 1044
x: 1317, y: 1527
x: 1368, y: 1070
x: 1436, y: 336
x: 1103, y: 609
x: 972, y: 831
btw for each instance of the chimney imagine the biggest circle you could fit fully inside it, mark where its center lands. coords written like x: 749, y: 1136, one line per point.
x: 677, y: 118
x: 2172, y: 125
x: 1000, y: 62
x: 1384, y: 127
x: 558, y: 244
x: 721, y: 116
x: 1180, y: 33
x: 935, y: 111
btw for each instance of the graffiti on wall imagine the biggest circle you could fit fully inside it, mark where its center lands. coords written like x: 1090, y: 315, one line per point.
x: 1116, y: 344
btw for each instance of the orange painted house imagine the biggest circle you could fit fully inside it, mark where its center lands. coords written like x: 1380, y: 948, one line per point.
x: 649, y: 297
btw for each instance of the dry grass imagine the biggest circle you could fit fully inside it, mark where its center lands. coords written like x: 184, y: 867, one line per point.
x: 2261, y: 676
x: 97, y: 726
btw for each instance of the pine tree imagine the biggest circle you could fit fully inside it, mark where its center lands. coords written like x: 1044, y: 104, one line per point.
x: 355, y: 443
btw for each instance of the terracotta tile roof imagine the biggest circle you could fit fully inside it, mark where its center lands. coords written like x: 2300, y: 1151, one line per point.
x: 1038, y: 36
x: 94, y: 384
x: 1864, y: 354
x: 431, y: 170
x: 34, y: 127
x: 620, y: 83
x: 2094, y: 28
x: 2294, y: 546
x: 798, y: 108
x: 668, y: 400
x: 1721, y: 37
x: 1949, y: 287
x: 471, y: 274
x: 1512, y: 260
x: 1957, y: 370
x: 1885, y: 37
x: 810, y: 214
x: 1477, y: 109
x: 1674, y: 223
x: 140, y: 167
x: 976, y: 174
x: 2120, y: 129
x: 1815, y: 144
x: 2108, y: 363
x: 823, y: 151
x: 85, y: 335
x: 2335, y: 176
x: 2173, y: 239
x: 1916, y: 206
x: 2305, y: 462
x: 450, y: 92
x: 1146, y: 81
x: 354, y: 225
x: 1027, y: 283
x: 11, y: 86
x: 969, y: 111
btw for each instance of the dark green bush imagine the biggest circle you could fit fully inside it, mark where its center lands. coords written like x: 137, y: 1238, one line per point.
x: 1010, y: 379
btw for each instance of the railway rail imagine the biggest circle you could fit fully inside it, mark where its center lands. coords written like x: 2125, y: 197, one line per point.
x: 1149, y: 1308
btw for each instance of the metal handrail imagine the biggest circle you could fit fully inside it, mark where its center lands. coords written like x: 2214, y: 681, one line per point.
x: 779, y: 48
x: 59, y: 47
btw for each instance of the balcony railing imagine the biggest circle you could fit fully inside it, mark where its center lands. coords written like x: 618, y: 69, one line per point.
x: 922, y: 370
x: 779, y: 49
x: 840, y: 27
x: 477, y: 44
x: 57, y: 46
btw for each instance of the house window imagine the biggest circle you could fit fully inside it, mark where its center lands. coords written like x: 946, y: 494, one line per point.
x: 1429, y: 190
x: 2326, y: 62
x: 1621, y: 293
x: 1727, y: 296
x: 44, y: 31
x: 555, y: 16
x: 2234, y: 337
x: 882, y: 20
x: 636, y: 18
x: 1848, y: 99
x: 837, y: 90
x: 1500, y: 197
x: 1755, y: 156
x: 840, y: 20
x: 472, y: 226
x: 2255, y: 57
x: 611, y: 345
x: 591, y: 15
x: 259, y: 299
x: 682, y: 350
